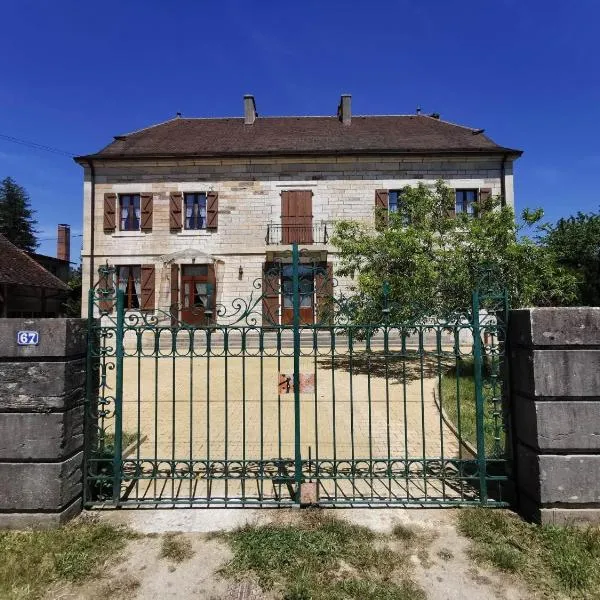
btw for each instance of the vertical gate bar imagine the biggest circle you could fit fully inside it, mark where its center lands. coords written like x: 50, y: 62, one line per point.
x: 139, y: 336
x: 279, y: 433
x: 261, y: 333
x: 117, y: 449
x: 155, y: 461
x: 405, y: 409
x: 226, y: 410
x: 479, y: 400
x: 316, y: 401
x: 423, y: 433
x: 457, y: 363
x: 191, y: 456
x: 90, y: 435
x: 333, y: 419
x: 297, y: 428
x: 370, y: 406
x: 351, y: 369
x: 386, y: 350
x: 244, y: 466
x: 208, y: 465
x: 173, y: 415
x: 438, y: 339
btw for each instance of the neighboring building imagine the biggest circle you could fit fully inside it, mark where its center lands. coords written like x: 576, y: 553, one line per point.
x: 192, y: 211
x: 59, y: 266
x: 26, y: 288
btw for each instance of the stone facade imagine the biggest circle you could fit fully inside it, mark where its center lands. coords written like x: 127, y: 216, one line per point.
x: 42, y: 391
x: 555, y: 397
x: 249, y: 198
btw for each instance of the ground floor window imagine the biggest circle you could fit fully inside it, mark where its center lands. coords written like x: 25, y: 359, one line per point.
x: 128, y: 280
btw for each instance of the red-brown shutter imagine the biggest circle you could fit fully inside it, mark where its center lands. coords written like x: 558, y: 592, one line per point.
x: 212, y: 210
x: 175, y: 208
x: 381, y: 208
x: 110, y: 201
x: 148, y: 289
x: 324, y: 293
x: 146, y: 205
x: 484, y: 195
x: 106, y: 293
x: 296, y: 217
x: 174, y: 295
x: 451, y: 210
x: 270, y: 290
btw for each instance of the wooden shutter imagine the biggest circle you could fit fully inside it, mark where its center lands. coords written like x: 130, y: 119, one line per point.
x: 296, y: 217
x: 175, y: 210
x: 110, y: 202
x: 106, y: 293
x: 174, y: 295
x: 451, y: 210
x: 484, y: 195
x: 381, y: 208
x: 146, y: 206
x: 148, y: 289
x: 270, y: 290
x: 211, y: 280
x: 212, y: 210
x: 324, y: 293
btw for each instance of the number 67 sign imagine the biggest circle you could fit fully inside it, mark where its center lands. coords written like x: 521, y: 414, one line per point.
x: 28, y: 338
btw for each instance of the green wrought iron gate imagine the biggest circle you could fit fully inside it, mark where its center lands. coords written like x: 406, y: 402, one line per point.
x: 348, y: 407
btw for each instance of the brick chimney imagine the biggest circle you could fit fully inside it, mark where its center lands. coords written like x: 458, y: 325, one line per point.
x: 344, y: 110
x: 63, y: 245
x: 250, y: 113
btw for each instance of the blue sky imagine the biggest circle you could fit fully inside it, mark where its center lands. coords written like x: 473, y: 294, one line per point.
x: 76, y: 73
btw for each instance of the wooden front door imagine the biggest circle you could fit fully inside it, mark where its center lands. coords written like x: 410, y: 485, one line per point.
x: 306, y: 292
x: 296, y: 217
x: 198, y: 294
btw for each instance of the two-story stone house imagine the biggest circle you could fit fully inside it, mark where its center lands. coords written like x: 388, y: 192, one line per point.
x: 193, y: 211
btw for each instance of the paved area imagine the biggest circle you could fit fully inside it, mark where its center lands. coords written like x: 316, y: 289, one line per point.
x: 231, y: 408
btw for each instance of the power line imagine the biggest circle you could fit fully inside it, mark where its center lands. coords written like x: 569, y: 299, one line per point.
x: 49, y: 239
x: 35, y: 145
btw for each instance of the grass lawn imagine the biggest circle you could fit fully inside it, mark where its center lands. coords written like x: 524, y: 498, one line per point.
x: 34, y: 560
x: 323, y: 558
x: 463, y: 414
x: 559, y: 562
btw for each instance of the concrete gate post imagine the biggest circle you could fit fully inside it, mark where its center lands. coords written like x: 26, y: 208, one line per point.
x: 554, y: 366
x: 42, y: 391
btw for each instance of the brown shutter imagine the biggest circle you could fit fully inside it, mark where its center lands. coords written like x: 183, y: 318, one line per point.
x: 146, y: 205
x: 174, y: 294
x: 212, y: 281
x: 148, y: 289
x: 381, y: 208
x: 484, y: 195
x: 106, y: 293
x: 451, y: 210
x: 175, y: 208
x: 212, y: 210
x: 270, y: 290
x: 324, y: 293
x: 110, y: 201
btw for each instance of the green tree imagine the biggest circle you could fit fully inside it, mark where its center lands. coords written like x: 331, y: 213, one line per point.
x: 575, y: 242
x: 431, y: 259
x: 17, y: 220
x: 72, y: 305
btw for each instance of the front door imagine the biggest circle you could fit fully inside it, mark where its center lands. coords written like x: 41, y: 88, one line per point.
x: 197, y: 294
x: 306, y: 292
x: 296, y: 217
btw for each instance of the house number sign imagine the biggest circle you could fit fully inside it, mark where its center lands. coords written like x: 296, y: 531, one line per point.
x: 28, y: 338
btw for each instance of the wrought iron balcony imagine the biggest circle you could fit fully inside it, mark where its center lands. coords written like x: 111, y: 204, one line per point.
x: 317, y: 233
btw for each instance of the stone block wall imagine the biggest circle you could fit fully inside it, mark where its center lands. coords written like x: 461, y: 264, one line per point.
x: 555, y: 397
x: 42, y: 391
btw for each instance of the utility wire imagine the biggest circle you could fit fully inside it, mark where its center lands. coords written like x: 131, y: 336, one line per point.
x: 35, y: 145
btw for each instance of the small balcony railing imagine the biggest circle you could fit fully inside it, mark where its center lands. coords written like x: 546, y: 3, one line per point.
x: 317, y: 233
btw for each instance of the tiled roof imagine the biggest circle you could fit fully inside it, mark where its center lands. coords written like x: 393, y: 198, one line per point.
x: 18, y: 268
x: 409, y: 134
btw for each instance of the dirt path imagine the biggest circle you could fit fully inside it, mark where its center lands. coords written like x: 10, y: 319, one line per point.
x: 441, y: 567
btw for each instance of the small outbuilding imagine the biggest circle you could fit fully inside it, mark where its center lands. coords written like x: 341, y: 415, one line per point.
x: 26, y: 288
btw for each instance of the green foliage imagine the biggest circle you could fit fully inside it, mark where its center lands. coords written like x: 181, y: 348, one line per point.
x: 432, y: 260
x: 553, y: 560
x: 33, y: 560
x: 321, y: 558
x: 72, y: 305
x: 17, y: 220
x: 575, y: 242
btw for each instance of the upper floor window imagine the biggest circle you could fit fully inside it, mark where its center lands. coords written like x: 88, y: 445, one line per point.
x: 130, y: 211
x: 394, y: 199
x: 465, y: 201
x: 195, y: 211
x: 128, y: 280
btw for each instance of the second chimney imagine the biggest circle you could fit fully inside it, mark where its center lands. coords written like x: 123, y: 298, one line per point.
x: 63, y: 246
x: 250, y: 113
x: 345, y: 109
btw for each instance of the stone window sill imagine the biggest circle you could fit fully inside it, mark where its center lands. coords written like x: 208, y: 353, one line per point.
x: 194, y: 232
x: 129, y: 234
